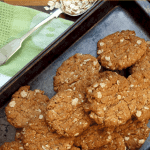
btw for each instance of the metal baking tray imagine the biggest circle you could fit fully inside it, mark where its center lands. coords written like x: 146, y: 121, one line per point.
x: 104, y: 18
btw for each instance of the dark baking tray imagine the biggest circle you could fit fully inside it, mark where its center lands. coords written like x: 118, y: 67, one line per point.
x: 104, y: 18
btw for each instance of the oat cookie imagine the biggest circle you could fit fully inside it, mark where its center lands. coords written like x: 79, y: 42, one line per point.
x: 77, y: 72
x: 139, y: 83
x: 66, y: 115
x: 38, y: 137
x: 116, y: 144
x: 144, y: 62
x: 26, y: 105
x: 120, y: 50
x: 106, y: 100
x: 94, y: 137
x: 134, y: 133
x: 15, y: 145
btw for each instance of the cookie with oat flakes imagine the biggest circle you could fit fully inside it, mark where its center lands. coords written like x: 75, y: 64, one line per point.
x: 120, y: 50
x: 116, y: 144
x: 38, y: 137
x: 15, y: 145
x: 139, y: 83
x: 77, y: 73
x: 94, y: 137
x: 134, y: 133
x: 106, y: 100
x: 143, y: 63
x: 65, y: 113
x: 26, y: 105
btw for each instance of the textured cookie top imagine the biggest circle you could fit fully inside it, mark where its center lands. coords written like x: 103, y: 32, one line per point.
x: 134, y: 133
x: 144, y: 62
x: 65, y: 113
x: 37, y: 136
x: 26, y: 105
x: 120, y: 50
x: 116, y: 144
x: 139, y: 83
x: 106, y: 100
x: 77, y: 72
x: 94, y: 137
x: 15, y: 145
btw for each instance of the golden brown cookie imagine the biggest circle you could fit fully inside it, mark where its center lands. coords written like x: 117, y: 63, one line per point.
x: 66, y: 115
x: 38, y: 137
x: 134, y: 133
x: 15, y: 145
x: 94, y: 137
x: 116, y: 144
x: 120, y: 50
x: 26, y: 105
x: 106, y: 100
x: 139, y: 83
x: 144, y: 62
x: 77, y: 73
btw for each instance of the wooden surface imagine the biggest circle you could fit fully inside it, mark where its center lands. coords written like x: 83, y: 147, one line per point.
x: 27, y: 2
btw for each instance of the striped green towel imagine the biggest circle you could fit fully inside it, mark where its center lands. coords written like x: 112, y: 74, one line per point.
x: 15, y: 21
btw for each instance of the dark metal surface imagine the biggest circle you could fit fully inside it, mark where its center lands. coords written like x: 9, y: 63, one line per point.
x: 103, y: 19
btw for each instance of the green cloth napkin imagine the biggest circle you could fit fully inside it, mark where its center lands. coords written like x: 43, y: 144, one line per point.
x: 15, y: 21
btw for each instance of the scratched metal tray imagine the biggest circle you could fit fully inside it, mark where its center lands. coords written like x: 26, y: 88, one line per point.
x: 101, y: 20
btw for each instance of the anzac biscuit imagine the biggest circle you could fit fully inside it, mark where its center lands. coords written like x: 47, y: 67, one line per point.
x: 134, y: 133
x: 38, y: 137
x: 106, y: 100
x: 26, y: 105
x: 15, y: 145
x: 94, y: 137
x: 139, y: 83
x: 116, y: 144
x: 144, y: 62
x: 65, y: 113
x: 120, y: 50
x: 76, y: 73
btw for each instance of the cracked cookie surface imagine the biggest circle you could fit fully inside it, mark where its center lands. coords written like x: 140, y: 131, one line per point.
x: 140, y: 95
x: 134, y: 133
x: 15, y: 145
x: 26, y: 105
x: 38, y: 137
x: 120, y: 50
x: 65, y: 113
x: 116, y: 144
x: 106, y: 100
x: 94, y: 137
x: 76, y: 73
x: 144, y: 62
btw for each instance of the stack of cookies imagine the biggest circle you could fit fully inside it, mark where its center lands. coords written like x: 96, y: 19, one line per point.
x: 93, y: 109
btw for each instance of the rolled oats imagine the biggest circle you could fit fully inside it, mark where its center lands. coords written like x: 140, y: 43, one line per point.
x: 72, y: 7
